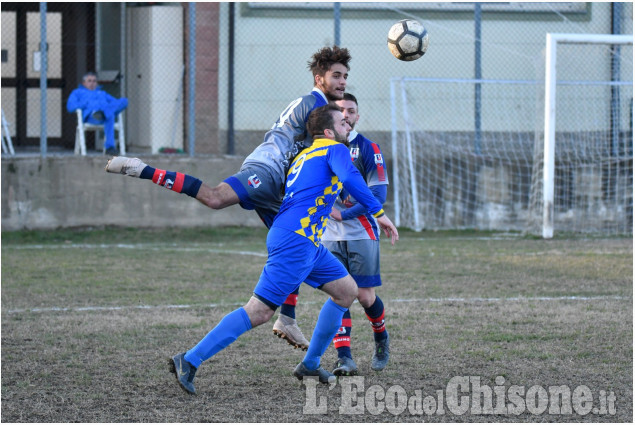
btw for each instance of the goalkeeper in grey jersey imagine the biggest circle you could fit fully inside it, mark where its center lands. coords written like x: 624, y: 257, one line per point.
x: 258, y: 185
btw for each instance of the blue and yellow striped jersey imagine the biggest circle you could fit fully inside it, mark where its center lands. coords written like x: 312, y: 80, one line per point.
x: 314, y: 181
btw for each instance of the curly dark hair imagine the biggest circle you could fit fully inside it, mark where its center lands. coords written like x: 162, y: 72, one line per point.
x: 324, y: 58
x: 321, y: 119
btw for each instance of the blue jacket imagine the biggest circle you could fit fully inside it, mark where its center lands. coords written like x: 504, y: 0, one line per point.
x: 88, y: 100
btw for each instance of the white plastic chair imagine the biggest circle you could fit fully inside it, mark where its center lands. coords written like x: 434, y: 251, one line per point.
x: 7, y: 144
x: 83, y: 127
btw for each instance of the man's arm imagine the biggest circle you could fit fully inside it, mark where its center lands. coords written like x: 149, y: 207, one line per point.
x: 75, y: 101
x: 379, y: 191
x: 340, y: 163
x: 107, y: 97
x: 374, y: 171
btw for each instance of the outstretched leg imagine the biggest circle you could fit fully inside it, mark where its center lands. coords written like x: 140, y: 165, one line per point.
x: 216, y: 198
x: 233, y: 325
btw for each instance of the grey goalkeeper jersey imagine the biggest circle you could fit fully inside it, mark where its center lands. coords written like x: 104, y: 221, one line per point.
x: 287, y: 137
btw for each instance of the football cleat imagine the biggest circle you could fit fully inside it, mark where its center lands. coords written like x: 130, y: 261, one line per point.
x: 184, y: 372
x: 123, y: 165
x: 345, y: 366
x: 382, y: 354
x: 323, y: 375
x: 287, y: 328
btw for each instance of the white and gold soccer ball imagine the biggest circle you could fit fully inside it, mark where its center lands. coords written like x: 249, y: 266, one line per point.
x: 408, y: 40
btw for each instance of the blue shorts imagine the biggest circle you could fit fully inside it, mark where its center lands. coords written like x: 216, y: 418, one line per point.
x: 294, y: 259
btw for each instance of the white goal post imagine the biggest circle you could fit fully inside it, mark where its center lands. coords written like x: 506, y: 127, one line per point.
x: 486, y: 153
x: 550, y: 113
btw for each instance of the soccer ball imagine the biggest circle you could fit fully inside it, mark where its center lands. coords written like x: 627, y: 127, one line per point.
x: 407, y: 40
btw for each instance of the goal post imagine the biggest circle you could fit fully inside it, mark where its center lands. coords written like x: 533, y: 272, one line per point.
x: 500, y: 161
x: 444, y: 176
x: 550, y: 112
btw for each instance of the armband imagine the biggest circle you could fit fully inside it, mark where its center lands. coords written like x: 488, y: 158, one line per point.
x: 379, y: 213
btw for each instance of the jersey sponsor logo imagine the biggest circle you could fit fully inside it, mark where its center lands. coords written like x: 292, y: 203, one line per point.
x: 254, y: 181
x: 379, y: 159
x: 168, y: 184
x: 354, y: 153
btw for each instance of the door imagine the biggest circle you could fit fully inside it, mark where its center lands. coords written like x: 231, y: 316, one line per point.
x: 67, y: 48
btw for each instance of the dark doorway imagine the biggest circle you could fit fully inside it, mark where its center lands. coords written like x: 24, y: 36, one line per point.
x: 71, y: 52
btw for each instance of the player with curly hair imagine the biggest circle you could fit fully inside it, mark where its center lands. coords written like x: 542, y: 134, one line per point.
x: 258, y: 185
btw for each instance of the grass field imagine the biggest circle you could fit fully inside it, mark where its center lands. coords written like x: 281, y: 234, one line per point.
x: 90, y: 317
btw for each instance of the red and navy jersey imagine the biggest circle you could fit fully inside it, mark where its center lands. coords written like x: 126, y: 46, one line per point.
x: 369, y: 160
x: 314, y: 181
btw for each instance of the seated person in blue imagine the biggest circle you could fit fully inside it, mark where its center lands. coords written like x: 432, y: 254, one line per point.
x: 98, y: 107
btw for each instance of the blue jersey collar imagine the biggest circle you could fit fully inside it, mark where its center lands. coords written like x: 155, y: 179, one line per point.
x: 318, y: 91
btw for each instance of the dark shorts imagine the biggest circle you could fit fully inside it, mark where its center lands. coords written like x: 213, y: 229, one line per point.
x: 361, y: 259
x: 294, y: 259
x: 258, y: 190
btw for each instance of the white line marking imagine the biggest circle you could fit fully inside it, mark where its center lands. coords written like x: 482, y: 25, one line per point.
x: 150, y: 247
x: 475, y: 300
x: 195, y: 248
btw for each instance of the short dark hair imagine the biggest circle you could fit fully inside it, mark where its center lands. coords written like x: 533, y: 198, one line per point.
x: 321, y: 119
x: 89, y: 74
x: 349, y: 96
x: 324, y: 58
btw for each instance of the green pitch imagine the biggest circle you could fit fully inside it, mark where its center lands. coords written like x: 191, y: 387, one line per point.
x: 90, y: 317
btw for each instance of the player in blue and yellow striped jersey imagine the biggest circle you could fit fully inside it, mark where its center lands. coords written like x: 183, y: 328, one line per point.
x: 295, y: 254
x: 352, y: 235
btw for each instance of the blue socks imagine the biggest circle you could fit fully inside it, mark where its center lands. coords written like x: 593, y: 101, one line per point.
x: 237, y: 323
x: 328, y: 323
x: 228, y: 329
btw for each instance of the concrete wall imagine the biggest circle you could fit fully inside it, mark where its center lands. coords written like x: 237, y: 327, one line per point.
x: 69, y: 191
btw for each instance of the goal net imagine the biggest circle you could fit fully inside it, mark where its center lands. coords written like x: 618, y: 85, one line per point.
x: 471, y: 153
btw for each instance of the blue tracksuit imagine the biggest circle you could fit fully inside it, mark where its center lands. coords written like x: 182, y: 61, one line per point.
x: 90, y: 101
